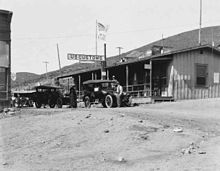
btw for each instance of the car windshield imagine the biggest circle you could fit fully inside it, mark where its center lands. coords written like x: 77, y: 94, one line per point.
x: 107, y: 85
x: 45, y: 90
x: 104, y: 85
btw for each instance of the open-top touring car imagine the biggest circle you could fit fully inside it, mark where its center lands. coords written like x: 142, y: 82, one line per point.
x: 22, y: 98
x: 103, y: 91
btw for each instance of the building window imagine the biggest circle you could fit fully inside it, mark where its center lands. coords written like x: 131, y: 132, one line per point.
x: 201, y: 74
x: 3, y: 83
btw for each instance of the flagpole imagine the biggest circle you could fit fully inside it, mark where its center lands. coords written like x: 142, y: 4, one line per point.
x: 96, y: 47
x: 200, y: 22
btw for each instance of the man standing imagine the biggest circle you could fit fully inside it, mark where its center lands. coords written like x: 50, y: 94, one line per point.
x: 19, y: 101
x: 118, y: 93
x: 73, y: 97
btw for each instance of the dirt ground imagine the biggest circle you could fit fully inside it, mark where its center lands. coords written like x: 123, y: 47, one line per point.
x: 163, y: 136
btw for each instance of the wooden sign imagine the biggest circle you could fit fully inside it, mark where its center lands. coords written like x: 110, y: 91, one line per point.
x: 82, y: 57
x: 147, y: 66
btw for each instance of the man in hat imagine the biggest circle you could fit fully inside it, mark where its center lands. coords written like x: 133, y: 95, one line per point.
x: 113, y: 78
x: 118, y: 93
x: 73, y: 97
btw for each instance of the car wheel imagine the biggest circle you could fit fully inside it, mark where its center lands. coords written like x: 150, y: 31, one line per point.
x: 103, y: 103
x: 87, y: 102
x: 51, y: 103
x: 108, y: 101
x: 38, y: 104
x: 30, y: 103
x: 59, y: 103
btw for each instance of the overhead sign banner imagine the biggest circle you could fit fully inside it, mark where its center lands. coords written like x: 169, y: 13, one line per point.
x: 82, y: 57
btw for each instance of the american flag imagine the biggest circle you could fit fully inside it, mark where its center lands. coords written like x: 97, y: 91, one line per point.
x: 102, y: 27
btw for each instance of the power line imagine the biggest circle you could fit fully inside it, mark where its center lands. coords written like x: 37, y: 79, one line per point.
x: 88, y: 34
x: 52, y: 37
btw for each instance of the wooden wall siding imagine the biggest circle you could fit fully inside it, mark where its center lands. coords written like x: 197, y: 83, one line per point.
x: 184, y: 75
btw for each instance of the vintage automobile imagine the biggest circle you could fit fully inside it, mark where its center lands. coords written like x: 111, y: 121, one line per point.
x: 48, y: 95
x: 102, y: 91
x: 22, y: 98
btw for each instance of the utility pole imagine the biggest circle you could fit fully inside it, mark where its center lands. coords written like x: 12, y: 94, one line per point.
x: 104, y: 64
x: 200, y: 22
x: 46, y: 62
x: 59, y: 59
x: 96, y: 42
x: 119, y: 50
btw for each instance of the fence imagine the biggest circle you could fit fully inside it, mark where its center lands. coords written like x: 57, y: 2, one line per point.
x: 138, y: 90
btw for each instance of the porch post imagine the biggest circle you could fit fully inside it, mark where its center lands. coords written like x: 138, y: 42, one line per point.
x: 68, y: 85
x: 150, y: 78
x: 127, y: 77
x: 107, y: 73
x: 79, y: 85
x: 103, y: 68
x: 92, y: 76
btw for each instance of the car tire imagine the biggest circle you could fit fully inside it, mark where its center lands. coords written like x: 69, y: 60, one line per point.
x: 30, y: 103
x: 38, y: 104
x: 59, y: 103
x: 51, y: 103
x: 109, y: 101
x: 103, y: 103
x: 87, y: 102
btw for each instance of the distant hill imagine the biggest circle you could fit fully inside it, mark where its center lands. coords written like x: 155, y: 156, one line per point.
x: 23, y: 77
x: 188, y: 39
x: 177, y: 42
x: 25, y: 80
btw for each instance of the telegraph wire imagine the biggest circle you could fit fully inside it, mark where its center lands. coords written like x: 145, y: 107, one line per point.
x: 90, y: 35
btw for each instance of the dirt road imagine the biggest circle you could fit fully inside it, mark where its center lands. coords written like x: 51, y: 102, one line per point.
x: 165, y: 136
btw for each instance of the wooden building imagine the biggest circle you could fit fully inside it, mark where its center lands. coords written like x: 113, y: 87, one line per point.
x: 5, y: 58
x: 194, y: 73
x: 166, y: 71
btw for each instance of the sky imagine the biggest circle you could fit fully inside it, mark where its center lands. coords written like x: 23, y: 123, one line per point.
x: 38, y: 26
